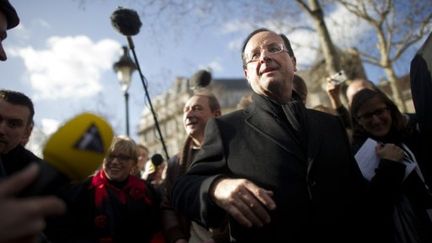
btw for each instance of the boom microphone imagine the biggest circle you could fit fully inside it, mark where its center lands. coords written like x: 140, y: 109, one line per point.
x: 201, y: 79
x: 126, y: 21
x: 157, y: 159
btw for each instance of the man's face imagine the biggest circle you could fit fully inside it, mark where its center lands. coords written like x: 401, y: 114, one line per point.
x: 196, y: 113
x: 272, y: 74
x: 3, y: 28
x: 142, y: 158
x: 14, y: 125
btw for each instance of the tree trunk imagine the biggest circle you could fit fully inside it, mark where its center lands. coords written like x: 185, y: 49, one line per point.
x: 330, y: 54
x: 396, y: 93
x: 389, y: 71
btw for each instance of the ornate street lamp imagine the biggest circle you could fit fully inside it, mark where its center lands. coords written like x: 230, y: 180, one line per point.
x: 124, y: 69
x: 127, y: 22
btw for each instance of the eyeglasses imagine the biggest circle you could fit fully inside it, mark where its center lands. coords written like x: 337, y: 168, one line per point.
x: 271, y: 50
x: 377, y: 112
x: 120, y: 157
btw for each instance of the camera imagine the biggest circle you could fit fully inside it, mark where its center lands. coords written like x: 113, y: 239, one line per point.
x: 338, y: 77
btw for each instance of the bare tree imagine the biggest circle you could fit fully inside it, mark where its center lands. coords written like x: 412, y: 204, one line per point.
x: 398, y: 25
x: 281, y: 14
x: 314, y: 9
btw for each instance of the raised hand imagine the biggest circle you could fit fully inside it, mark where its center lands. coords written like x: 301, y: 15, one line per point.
x: 22, y: 219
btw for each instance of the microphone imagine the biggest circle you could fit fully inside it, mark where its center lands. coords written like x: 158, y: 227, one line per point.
x: 126, y: 21
x: 74, y: 152
x: 201, y: 79
x: 157, y: 159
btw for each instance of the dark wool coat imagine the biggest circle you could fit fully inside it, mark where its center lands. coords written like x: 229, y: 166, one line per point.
x: 318, y: 187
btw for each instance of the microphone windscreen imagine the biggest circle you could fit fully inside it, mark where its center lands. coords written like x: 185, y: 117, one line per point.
x: 201, y: 79
x: 157, y: 159
x: 78, y: 148
x: 126, y: 21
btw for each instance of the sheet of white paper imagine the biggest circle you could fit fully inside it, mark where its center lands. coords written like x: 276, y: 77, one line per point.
x: 367, y: 159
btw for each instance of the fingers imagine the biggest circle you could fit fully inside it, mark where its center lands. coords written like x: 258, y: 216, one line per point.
x: 239, y: 212
x: 25, y: 217
x: 390, y: 152
x: 16, y: 182
x: 39, y: 207
x: 263, y: 195
x: 253, y: 209
x: 50, y: 205
x: 244, y: 201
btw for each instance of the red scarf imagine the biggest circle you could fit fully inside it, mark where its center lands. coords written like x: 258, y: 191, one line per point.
x: 134, y: 189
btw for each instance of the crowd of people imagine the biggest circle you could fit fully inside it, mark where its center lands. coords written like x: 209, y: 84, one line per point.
x: 272, y: 171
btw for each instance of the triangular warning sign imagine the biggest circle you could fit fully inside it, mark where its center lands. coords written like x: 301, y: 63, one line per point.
x: 91, y: 140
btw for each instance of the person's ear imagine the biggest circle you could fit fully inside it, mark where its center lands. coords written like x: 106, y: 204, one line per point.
x: 27, y: 132
x: 245, y: 72
x: 217, y: 113
x: 294, y: 62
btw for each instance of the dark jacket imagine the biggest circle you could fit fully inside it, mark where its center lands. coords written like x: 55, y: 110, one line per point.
x: 137, y: 220
x: 176, y: 226
x: 49, y: 180
x: 392, y: 194
x: 17, y: 159
x: 318, y: 187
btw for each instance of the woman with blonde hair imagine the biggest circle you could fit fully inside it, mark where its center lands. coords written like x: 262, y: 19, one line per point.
x: 112, y: 205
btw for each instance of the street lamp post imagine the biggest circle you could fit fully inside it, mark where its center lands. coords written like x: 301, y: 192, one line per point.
x: 124, y: 69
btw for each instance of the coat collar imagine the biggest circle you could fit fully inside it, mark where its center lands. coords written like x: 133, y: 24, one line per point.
x: 266, y: 118
x: 262, y: 117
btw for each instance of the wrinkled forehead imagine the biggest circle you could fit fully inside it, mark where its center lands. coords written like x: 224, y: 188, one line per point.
x: 197, y: 100
x: 262, y: 39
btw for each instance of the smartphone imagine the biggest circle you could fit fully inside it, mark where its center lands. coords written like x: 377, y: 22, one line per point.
x: 339, y: 77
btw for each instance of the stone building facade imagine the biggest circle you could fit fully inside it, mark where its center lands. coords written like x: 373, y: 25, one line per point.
x: 169, y: 110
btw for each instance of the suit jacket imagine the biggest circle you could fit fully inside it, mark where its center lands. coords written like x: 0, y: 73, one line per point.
x: 318, y: 187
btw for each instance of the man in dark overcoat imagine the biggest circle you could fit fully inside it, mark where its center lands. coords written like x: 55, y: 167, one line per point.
x: 281, y: 172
